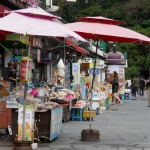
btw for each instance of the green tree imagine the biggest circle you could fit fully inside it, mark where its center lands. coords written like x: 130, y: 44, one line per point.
x: 132, y: 71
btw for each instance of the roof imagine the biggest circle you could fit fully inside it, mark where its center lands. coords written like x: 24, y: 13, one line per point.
x: 99, y: 52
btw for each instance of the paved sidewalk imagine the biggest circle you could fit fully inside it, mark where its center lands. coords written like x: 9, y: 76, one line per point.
x: 125, y: 127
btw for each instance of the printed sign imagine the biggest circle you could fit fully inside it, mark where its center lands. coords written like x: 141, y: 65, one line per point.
x: 120, y: 71
x: 76, y: 72
x: 92, y: 69
x: 56, y: 122
x: 45, y: 56
x: 29, y: 123
x: 25, y: 72
x: 75, y: 68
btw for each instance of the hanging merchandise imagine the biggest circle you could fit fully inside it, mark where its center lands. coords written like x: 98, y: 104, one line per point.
x: 60, y: 72
x: 38, y: 56
x: 25, y: 71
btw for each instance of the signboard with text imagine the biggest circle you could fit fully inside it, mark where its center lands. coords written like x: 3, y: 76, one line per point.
x: 29, y: 122
x: 45, y: 56
x: 120, y: 71
x: 56, y: 122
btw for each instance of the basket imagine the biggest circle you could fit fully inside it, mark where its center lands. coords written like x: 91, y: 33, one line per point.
x: 86, y: 114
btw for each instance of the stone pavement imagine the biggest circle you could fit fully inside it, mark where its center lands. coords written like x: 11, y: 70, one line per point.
x: 125, y: 127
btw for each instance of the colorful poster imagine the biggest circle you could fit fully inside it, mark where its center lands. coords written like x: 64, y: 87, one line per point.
x: 25, y: 70
x: 92, y: 69
x: 102, y: 98
x: 29, y: 122
x: 76, y: 72
x: 56, y: 122
x: 75, y: 68
x: 120, y: 71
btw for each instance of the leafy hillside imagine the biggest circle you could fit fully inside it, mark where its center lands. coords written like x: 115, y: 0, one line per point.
x: 136, y: 15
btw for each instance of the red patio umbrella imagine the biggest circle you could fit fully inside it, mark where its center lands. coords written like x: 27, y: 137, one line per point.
x: 107, y: 32
x: 24, y: 23
x: 100, y: 19
x: 30, y: 25
x: 33, y: 11
x: 94, y: 28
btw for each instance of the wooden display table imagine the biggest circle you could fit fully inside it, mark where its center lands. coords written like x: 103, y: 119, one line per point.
x: 48, y: 123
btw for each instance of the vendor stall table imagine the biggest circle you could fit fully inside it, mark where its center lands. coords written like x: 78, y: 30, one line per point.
x: 48, y: 122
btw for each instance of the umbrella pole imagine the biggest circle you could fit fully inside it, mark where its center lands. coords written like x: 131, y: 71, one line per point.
x: 25, y: 93
x: 93, y: 84
x: 24, y: 112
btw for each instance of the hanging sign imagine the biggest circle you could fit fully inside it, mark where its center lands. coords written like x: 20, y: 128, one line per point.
x: 45, y: 56
x: 29, y: 122
x: 38, y: 56
x: 76, y: 72
x: 24, y: 71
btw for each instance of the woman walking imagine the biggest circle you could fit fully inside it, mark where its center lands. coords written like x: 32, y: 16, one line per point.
x: 115, y: 87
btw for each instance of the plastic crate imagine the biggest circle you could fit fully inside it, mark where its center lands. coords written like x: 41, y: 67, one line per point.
x: 86, y: 114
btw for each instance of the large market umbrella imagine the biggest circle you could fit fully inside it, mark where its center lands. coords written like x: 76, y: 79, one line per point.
x: 107, y: 32
x: 30, y: 25
x: 100, y: 19
x: 24, y: 23
x: 33, y: 11
x: 91, y: 28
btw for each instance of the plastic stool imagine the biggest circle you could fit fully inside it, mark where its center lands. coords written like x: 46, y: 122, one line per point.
x: 127, y: 96
x: 75, y: 115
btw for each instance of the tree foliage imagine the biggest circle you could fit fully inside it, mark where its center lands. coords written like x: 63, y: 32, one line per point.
x: 136, y: 15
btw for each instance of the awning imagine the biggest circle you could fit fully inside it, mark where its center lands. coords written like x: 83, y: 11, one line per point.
x: 74, y: 45
x: 100, y: 53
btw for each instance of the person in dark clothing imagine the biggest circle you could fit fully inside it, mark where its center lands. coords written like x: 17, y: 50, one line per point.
x: 115, y: 88
x: 132, y: 87
x: 142, y: 85
x: 136, y: 84
x: 12, y: 79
